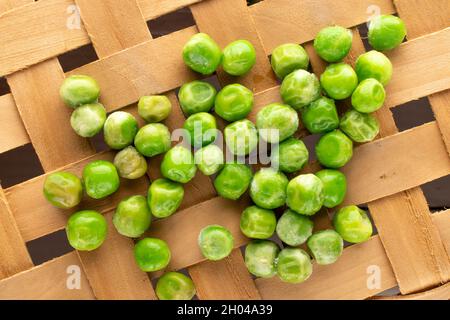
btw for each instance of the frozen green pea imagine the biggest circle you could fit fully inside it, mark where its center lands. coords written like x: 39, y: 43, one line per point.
x: 374, y: 64
x: 305, y: 194
x: 287, y: 58
x: 86, y: 230
x: 178, y: 165
x: 78, y: 90
x: 132, y: 216
x: 196, y: 96
x: 360, y: 127
x: 258, y: 223
x: 234, y: 102
x: 334, y: 187
x: 339, y: 80
x: 326, y: 246
x: 260, y: 258
x: 290, y: 155
x: 152, y: 139
x: 300, y: 88
x: 276, y: 122
x: 268, y: 188
x: 175, y: 286
x: 130, y: 163
x: 233, y: 180
x: 238, y: 57
x: 164, y: 197
x: 120, y: 129
x: 100, y: 179
x: 154, y: 108
x: 63, y: 189
x: 386, y: 32
x: 215, y: 242
x: 333, y: 44
x: 151, y: 254
x: 88, y: 120
x: 293, y: 228
x: 320, y: 116
x: 368, y: 96
x: 202, y: 54
x: 209, y: 159
x: 334, y: 149
x: 241, y: 137
x: 201, y: 128
x: 353, y: 224
x: 294, y: 265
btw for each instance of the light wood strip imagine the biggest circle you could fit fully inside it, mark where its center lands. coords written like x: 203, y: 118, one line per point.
x: 152, y: 9
x: 439, y: 293
x: 442, y: 222
x: 12, y: 131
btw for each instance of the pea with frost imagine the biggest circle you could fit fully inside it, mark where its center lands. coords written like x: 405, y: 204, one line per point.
x: 334, y: 149
x: 233, y: 180
x: 215, y: 242
x: 326, y: 246
x: 305, y: 194
x: 241, y: 137
x: 196, y: 96
x: 120, y: 129
x: 175, y: 286
x: 333, y: 44
x: 360, y: 127
x: 260, y: 258
x: 374, y: 64
x: 277, y: 122
x: 268, y: 188
x: 164, y: 197
x: 289, y: 156
x: 154, y: 108
x: 63, y: 189
x: 152, y: 139
x: 368, y: 96
x: 178, y: 165
x: 130, y: 164
x: 152, y: 254
x: 209, y: 159
x: 353, y: 224
x: 258, y: 223
x: 334, y: 187
x: 132, y: 216
x: 86, y: 230
x: 100, y: 179
x: 320, y: 116
x: 238, y: 57
x: 234, y: 102
x: 293, y: 228
x: 339, y: 80
x: 88, y: 120
x: 78, y: 90
x: 201, y: 128
x: 287, y: 58
x: 294, y: 265
x: 386, y: 32
x: 300, y: 88
x: 202, y: 54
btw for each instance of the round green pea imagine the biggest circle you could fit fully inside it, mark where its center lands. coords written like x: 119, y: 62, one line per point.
x: 260, y: 258
x: 333, y: 44
x: 154, y: 108
x: 234, y: 102
x: 353, y: 224
x: 88, y: 120
x: 100, y: 179
x: 151, y: 254
x: 164, y: 197
x: 374, y: 64
x: 276, y: 122
x: 258, y: 223
x: 293, y: 228
x: 63, y: 190
x: 196, y: 96
x: 78, y: 90
x: 233, y: 180
x: 368, y: 96
x: 238, y: 57
x: 268, y: 188
x: 320, y: 116
x: 132, y: 217
x: 290, y: 155
x: 201, y: 129
x: 241, y: 137
x: 360, y: 127
x: 215, y: 242
x: 287, y: 58
x: 130, y: 164
x: 334, y: 149
x: 209, y: 159
x: 152, y: 139
x: 305, y: 194
x: 300, y: 88
x: 326, y: 246
x: 86, y: 230
x: 202, y: 54
x: 386, y: 32
x: 175, y: 286
x: 339, y: 81
x: 178, y: 165
x: 120, y: 129
x: 294, y: 265
x: 334, y: 187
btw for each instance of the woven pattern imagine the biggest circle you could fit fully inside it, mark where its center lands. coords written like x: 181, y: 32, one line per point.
x: 412, y: 247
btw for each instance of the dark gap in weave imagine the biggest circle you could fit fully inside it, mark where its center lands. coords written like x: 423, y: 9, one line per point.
x: 437, y: 193
x: 413, y: 114
x: 310, y: 142
x: 78, y: 57
x: 171, y: 22
x: 362, y: 29
x: 4, y: 87
x: 49, y: 247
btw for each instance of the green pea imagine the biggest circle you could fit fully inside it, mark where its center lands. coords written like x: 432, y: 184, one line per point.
x: 353, y: 224
x: 374, y: 64
x: 360, y: 127
x: 334, y: 149
x: 276, y: 122
x: 333, y: 44
x: 120, y: 129
x: 305, y: 194
x: 234, y: 102
x: 320, y: 116
x: 178, y: 165
x: 164, y: 197
x: 175, y: 286
x: 209, y: 159
x: 294, y: 265
x: 201, y: 128
x: 132, y: 216
x: 287, y: 58
x: 339, y: 81
x: 154, y: 108
x: 268, y: 188
x: 196, y: 96
x: 233, y: 180
x: 238, y: 57
x: 300, y: 88
x: 290, y: 155
x: 63, y: 190
x: 215, y: 242
x: 386, y: 32
x: 202, y: 54
x: 293, y: 228
x: 78, y: 90
x: 152, y: 139
x: 88, y: 120
x: 260, y: 258
x: 258, y: 223
x: 368, y: 96
x: 241, y: 137
x: 334, y: 187
x: 130, y: 163
x: 86, y: 230
x: 326, y: 246
x: 100, y: 179
x: 152, y: 254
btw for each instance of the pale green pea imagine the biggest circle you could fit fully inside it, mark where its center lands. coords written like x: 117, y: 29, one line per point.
x: 258, y: 223
x: 233, y: 180
x: 132, y: 216
x: 241, y: 137
x: 202, y: 54
x: 287, y: 58
x: 300, y: 88
x: 238, y: 57
x: 360, y: 127
x: 175, y: 286
x: 374, y: 64
x: 215, y: 242
x: 326, y: 246
x: 178, y: 165
x: 63, y: 189
x: 260, y: 258
x: 290, y: 155
x: 86, y: 230
x: 154, y: 108
x: 152, y: 254
x: 277, y: 122
x: 386, y: 32
x: 88, y: 120
x: 334, y: 149
x: 164, y: 197
x: 305, y: 194
x: 78, y: 90
x: 293, y: 228
x: 152, y: 139
x: 333, y: 44
x: 209, y: 159
x: 268, y: 188
x: 120, y: 129
x: 294, y: 265
x: 339, y: 81
x: 353, y: 224
x: 130, y: 163
x: 196, y: 96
